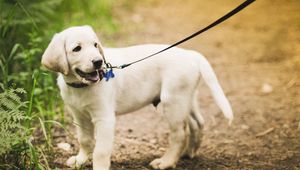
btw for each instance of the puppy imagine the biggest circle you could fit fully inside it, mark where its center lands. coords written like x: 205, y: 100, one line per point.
x: 170, y: 79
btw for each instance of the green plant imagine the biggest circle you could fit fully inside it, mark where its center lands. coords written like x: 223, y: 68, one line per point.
x: 98, y: 14
x: 12, y: 114
x: 18, y: 122
x: 21, y: 38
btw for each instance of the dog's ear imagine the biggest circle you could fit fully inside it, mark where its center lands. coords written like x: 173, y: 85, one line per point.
x: 54, y: 57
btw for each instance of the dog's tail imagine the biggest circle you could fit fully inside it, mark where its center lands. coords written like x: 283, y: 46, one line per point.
x: 215, y: 88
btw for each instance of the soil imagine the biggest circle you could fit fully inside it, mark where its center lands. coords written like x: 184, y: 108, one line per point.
x: 256, y: 56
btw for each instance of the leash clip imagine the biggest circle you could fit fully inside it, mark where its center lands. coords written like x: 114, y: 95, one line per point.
x: 108, y: 73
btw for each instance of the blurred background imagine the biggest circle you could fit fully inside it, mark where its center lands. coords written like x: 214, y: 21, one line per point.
x: 255, y: 54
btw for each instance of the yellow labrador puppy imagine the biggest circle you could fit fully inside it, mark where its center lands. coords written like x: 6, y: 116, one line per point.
x: 170, y: 79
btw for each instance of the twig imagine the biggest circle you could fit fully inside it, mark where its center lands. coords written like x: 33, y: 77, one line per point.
x: 291, y: 83
x: 264, y: 132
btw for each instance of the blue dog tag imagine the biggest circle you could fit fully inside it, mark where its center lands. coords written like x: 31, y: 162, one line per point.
x: 109, y: 74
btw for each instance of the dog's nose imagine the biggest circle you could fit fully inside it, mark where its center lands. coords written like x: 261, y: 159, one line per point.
x: 97, y: 63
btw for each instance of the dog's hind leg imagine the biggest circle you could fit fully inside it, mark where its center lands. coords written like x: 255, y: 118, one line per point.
x: 196, y: 123
x: 176, y: 108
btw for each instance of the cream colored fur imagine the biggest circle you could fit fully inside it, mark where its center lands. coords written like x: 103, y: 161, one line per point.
x: 172, y: 77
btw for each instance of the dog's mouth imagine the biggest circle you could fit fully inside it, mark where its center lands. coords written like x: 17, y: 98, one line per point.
x: 93, y: 76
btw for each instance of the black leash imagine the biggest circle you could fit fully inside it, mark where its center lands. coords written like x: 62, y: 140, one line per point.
x: 220, y: 20
x: 108, y: 71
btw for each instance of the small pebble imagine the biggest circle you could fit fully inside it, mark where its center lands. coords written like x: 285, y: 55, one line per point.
x: 153, y: 141
x: 286, y: 126
x: 245, y: 127
x: 162, y: 149
x: 64, y: 146
x: 266, y: 88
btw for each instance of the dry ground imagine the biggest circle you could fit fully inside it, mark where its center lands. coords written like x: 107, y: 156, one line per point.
x: 256, y: 48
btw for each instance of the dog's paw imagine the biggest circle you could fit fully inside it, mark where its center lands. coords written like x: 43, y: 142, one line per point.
x: 162, y: 163
x: 190, y: 153
x: 75, y: 161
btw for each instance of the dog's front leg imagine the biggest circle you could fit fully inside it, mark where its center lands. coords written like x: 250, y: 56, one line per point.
x: 104, y: 135
x: 85, y: 134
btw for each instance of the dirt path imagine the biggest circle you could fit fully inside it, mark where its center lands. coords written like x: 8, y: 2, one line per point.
x: 257, y: 48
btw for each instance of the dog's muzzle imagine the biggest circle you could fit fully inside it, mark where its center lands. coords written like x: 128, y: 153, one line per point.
x: 93, y: 76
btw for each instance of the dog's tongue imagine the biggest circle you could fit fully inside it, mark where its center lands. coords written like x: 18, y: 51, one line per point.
x: 92, y: 76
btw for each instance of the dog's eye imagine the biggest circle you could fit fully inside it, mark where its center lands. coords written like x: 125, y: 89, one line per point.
x: 76, y: 49
x: 96, y: 45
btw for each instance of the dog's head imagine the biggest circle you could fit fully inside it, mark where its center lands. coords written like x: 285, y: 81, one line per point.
x: 75, y: 52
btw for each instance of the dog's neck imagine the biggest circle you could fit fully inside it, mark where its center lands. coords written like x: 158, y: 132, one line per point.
x: 77, y: 85
x: 72, y: 81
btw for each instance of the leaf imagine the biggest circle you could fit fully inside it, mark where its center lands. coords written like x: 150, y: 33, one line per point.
x: 43, y: 129
x: 12, y: 113
x: 13, y: 51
